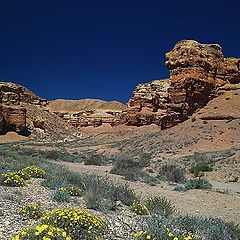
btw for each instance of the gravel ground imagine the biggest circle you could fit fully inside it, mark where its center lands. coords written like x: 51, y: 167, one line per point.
x: 204, y: 203
x: 12, y: 198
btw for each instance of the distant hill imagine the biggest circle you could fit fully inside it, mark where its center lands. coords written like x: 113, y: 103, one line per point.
x: 84, y: 105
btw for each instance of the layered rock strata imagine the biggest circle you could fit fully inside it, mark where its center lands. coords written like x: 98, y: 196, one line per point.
x: 13, y: 113
x: 93, y: 118
x: 196, y: 71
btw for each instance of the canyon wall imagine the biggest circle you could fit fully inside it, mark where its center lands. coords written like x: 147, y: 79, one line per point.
x: 196, y: 72
x: 13, y: 101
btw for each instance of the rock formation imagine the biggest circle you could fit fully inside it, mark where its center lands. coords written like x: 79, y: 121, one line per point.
x: 24, y: 112
x: 13, y: 97
x: 88, y: 112
x: 148, y: 105
x: 196, y: 71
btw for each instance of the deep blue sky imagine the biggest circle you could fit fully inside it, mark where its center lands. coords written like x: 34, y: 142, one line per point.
x: 104, y: 48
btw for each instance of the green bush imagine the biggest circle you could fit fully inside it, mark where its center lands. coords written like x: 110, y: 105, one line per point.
x: 96, y: 159
x: 60, y: 196
x: 23, y: 174
x: 198, y: 184
x: 149, y: 179
x: 72, y: 190
x: 200, y: 167
x: 32, y: 211
x: 34, y: 171
x: 95, y: 201
x: 159, y: 227
x: 42, y: 232
x: 172, y: 172
x: 139, y: 208
x: 79, y: 224
x: 160, y: 206
x: 12, y: 180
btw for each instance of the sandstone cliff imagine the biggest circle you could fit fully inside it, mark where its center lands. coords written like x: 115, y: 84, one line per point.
x: 24, y: 112
x: 196, y: 72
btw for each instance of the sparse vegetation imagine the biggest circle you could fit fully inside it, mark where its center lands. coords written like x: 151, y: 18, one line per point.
x: 32, y: 211
x: 200, y: 167
x: 72, y: 190
x: 172, y: 173
x: 40, y: 232
x: 102, y: 195
x: 78, y: 224
x: 139, y: 208
x: 60, y: 196
x: 12, y: 180
x: 159, y: 206
x: 198, y: 184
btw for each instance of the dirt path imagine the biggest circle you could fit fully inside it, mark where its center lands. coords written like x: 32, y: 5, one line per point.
x: 193, y: 202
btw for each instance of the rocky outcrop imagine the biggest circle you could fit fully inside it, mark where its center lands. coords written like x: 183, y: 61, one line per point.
x: 88, y: 112
x: 196, y: 72
x: 13, y: 101
x: 149, y: 105
x: 93, y: 118
x: 12, y: 118
x: 14, y: 94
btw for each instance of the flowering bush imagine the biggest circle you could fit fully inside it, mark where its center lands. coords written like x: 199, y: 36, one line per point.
x: 139, y: 208
x: 166, y: 235
x: 72, y: 190
x: 42, y: 232
x: 32, y: 211
x: 179, y: 236
x: 23, y: 174
x: 143, y: 235
x: 34, y: 171
x: 12, y: 180
x: 79, y: 224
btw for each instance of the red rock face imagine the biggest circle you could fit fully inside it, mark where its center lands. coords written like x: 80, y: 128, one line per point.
x: 12, y: 110
x: 196, y: 71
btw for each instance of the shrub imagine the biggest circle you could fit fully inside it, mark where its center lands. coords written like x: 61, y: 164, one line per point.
x: 149, y: 179
x: 51, y: 154
x: 160, y: 206
x: 60, y: 196
x: 79, y: 224
x: 139, y: 208
x: 58, y: 177
x: 34, y: 171
x: 42, y: 232
x: 167, y: 234
x: 12, y: 180
x: 95, y: 159
x: 172, y: 172
x: 125, y: 194
x: 95, y: 201
x: 198, y: 184
x: 23, y: 174
x: 72, y: 190
x: 181, y: 226
x: 123, y: 164
x: 180, y: 188
x: 200, y: 167
x: 32, y: 211
x: 143, y: 235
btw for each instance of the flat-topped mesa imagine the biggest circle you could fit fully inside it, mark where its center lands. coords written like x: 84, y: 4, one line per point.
x: 196, y: 70
x: 88, y: 112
